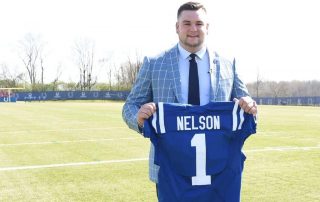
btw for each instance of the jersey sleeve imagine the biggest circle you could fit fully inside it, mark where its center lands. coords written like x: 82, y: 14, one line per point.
x: 150, y: 129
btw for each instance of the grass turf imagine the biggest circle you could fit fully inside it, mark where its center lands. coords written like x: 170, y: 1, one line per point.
x: 283, y: 158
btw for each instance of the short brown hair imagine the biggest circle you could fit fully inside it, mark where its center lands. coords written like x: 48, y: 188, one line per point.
x: 190, y: 6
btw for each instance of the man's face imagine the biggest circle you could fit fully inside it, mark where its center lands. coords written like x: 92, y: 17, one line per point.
x: 192, y: 29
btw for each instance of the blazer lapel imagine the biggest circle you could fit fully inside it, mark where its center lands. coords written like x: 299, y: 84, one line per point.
x: 173, y: 64
x: 214, y: 72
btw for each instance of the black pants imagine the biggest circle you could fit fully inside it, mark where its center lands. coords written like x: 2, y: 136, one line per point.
x: 157, y: 190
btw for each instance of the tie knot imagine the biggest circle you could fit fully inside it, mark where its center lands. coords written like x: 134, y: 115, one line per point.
x: 193, y: 56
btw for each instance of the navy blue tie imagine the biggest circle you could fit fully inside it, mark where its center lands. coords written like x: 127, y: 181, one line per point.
x: 193, y: 93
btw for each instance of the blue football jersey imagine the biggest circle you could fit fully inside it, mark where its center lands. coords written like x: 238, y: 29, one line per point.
x: 198, y: 149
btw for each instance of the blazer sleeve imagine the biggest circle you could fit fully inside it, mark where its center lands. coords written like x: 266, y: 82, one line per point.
x: 140, y: 94
x: 239, y: 89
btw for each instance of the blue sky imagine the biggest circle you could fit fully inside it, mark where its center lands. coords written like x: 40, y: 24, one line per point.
x: 279, y: 39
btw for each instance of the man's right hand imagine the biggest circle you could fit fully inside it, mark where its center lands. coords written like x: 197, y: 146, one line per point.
x: 145, y: 112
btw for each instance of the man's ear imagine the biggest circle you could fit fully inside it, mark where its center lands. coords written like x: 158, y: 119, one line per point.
x: 177, y: 27
x: 207, y: 27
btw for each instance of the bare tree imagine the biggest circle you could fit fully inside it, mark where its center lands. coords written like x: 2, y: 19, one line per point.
x: 8, y: 78
x: 84, y: 55
x: 133, y: 69
x: 109, y: 75
x: 42, y: 70
x: 31, y: 48
x: 57, y: 76
x: 258, y: 83
x: 118, y: 77
x: 278, y: 89
x: 109, y: 68
x: 128, y: 71
x: 315, y: 88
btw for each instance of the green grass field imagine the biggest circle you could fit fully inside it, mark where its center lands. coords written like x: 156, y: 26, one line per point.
x: 83, y: 151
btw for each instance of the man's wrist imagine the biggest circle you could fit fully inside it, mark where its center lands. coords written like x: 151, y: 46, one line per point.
x: 140, y: 127
x: 140, y: 124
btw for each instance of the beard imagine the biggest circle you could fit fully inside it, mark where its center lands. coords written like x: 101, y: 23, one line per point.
x: 192, y: 43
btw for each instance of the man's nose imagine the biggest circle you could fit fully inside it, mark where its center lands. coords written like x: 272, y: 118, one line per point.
x: 193, y: 27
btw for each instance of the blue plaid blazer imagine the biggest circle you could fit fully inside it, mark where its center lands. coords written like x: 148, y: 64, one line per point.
x: 159, y: 81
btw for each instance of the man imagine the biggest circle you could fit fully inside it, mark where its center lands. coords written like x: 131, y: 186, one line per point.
x: 165, y: 78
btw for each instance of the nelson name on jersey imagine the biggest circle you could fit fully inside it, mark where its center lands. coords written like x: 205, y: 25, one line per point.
x: 198, y: 123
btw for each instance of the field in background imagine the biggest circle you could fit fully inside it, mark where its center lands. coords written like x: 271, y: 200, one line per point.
x: 82, y: 151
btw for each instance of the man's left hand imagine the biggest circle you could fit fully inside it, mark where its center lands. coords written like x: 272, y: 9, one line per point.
x: 248, y: 105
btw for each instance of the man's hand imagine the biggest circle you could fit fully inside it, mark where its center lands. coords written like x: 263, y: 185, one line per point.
x: 248, y: 105
x: 145, y: 112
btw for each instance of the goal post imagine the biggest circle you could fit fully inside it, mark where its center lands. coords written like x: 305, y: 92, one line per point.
x: 7, y: 94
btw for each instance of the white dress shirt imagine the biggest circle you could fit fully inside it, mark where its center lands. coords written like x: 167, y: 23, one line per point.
x: 202, y: 60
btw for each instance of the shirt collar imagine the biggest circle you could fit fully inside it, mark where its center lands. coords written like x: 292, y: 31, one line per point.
x: 185, y: 54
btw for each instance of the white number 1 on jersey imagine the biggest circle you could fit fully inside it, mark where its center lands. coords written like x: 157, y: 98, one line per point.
x: 199, y: 141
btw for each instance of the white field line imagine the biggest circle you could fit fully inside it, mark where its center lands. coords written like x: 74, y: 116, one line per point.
x: 69, y: 141
x: 71, y: 164
x: 56, y: 130
x: 282, y: 149
x: 277, y: 149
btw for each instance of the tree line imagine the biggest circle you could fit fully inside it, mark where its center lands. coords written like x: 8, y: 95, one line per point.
x: 32, y: 56
x: 284, y: 88
x: 121, y: 77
